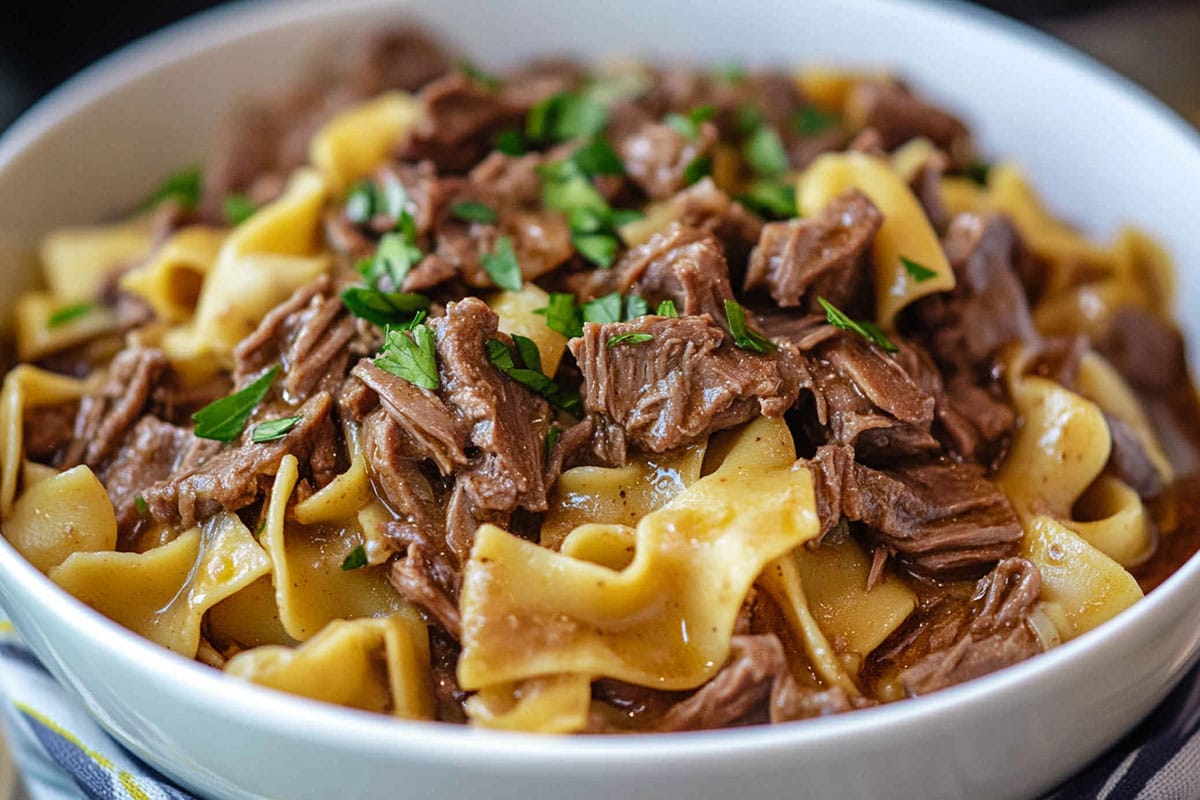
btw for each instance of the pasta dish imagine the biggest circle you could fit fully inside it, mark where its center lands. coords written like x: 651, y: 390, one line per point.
x: 598, y: 398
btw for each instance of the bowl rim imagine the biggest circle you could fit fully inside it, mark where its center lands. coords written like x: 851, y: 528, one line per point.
x: 250, y: 704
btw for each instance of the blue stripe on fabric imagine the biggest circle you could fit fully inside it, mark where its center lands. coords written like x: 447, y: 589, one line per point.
x: 94, y: 780
x: 14, y: 651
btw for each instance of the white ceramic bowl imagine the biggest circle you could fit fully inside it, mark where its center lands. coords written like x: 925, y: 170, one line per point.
x: 1102, y: 151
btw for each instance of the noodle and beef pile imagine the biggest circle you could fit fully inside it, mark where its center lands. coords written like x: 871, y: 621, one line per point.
x: 561, y: 288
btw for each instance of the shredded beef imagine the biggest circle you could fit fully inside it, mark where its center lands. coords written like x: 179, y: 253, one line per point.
x: 802, y: 259
x: 688, y: 382
x: 681, y: 264
x: 47, y: 430
x: 394, y: 459
x: 460, y: 118
x: 899, y: 115
x: 105, y: 417
x: 702, y: 205
x: 426, y: 578
x: 1148, y: 352
x: 657, y: 156
x: 1129, y: 461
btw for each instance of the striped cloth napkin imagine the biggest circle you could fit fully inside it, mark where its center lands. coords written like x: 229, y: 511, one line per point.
x: 64, y: 755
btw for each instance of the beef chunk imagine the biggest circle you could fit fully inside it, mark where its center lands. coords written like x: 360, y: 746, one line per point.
x: 460, y: 118
x: 702, y: 205
x: 681, y: 264
x: 801, y: 259
x: 899, y: 115
x: 312, y: 335
x: 234, y: 477
x: 940, y: 518
x: 926, y: 184
x: 47, y: 430
x: 403, y: 57
x: 394, y: 462
x: 426, y: 576
x: 1129, y: 461
x: 688, y: 382
x: 1148, y: 352
x: 105, y: 417
x: 996, y: 636
x: 656, y: 155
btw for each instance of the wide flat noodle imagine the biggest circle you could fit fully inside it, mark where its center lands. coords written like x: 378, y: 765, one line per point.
x: 905, y: 232
x: 374, y: 664
x: 25, y: 386
x: 702, y: 550
x: 36, y: 337
x: 68, y: 513
x: 78, y: 262
x: 358, y: 140
x: 171, y: 279
x: 516, y: 311
x: 549, y: 704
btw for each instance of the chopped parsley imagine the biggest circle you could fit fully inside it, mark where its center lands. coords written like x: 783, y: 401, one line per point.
x: 866, y: 329
x: 771, y: 198
x: 636, y: 306
x: 510, y: 142
x: 368, y: 198
x: 811, y: 121
x: 273, y: 429
x: 598, y: 157
x: 411, y: 355
x: 919, y: 272
x: 599, y: 248
x: 396, y: 254
x: 603, y: 309
x: 698, y: 168
x: 764, y: 153
x: 747, y: 118
x: 552, y: 437
x: 562, y: 315
x: 223, y: 420
x: 357, y: 559
x: 184, y: 187
x: 69, y: 314
x: 632, y: 337
x: 743, y: 336
x: 564, y: 116
x: 528, y: 351
x: 237, y: 208
x: 529, y: 375
x: 383, y: 308
x: 567, y: 187
x: 471, y: 211
x: 502, y: 267
x: 667, y: 309
x: 484, y: 79
x: 139, y: 503
x: 978, y: 171
x: 688, y: 125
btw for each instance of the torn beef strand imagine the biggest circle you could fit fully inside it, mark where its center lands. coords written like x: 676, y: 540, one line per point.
x: 105, y: 417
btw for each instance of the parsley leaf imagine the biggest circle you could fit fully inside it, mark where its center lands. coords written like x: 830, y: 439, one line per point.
x: 598, y: 157
x: 528, y: 351
x: 237, y: 208
x: 355, y: 560
x: 688, y: 125
x: 743, y: 337
x: 697, y: 168
x: 69, y: 314
x: 603, y: 309
x: 383, y: 308
x: 361, y: 202
x: 632, y: 337
x: 531, y: 378
x: 866, y: 329
x: 183, y: 187
x: 599, y: 248
x: 747, y: 118
x: 636, y: 306
x: 484, y: 79
x: 667, y: 309
x: 552, y: 437
x: 224, y: 419
x: 471, y: 211
x: 771, y: 198
x: 273, y: 429
x: 919, y: 272
x: 139, y: 503
x: 764, y: 153
x: 501, y: 265
x: 510, y: 142
x: 978, y: 171
x: 396, y: 254
x: 410, y: 355
x: 562, y: 315
x: 811, y: 121
x: 564, y: 116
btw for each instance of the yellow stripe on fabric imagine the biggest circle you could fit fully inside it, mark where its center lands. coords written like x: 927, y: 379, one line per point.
x: 129, y: 783
x: 70, y: 737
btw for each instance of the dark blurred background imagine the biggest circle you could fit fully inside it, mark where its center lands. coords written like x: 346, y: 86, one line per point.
x: 1155, y: 42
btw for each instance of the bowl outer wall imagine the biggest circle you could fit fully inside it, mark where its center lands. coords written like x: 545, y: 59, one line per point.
x: 1101, y: 152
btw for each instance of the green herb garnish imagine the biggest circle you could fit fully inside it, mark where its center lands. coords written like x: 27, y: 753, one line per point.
x: 69, y: 314
x: 411, y: 355
x: 747, y: 118
x: 730, y: 73
x: 631, y: 337
x: 599, y: 248
x: 562, y: 315
x: 771, y: 198
x: 383, y: 308
x: 224, y: 419
x: 184, y: 187
x: 510, y: 142
x: 567, y: 187
x: 919, y: 272
x: 530, y: 376
x: 471, y: 211
x: 764, y: 153
x: 603, y: 310
x: 811, y: 121
x: 552, y: 437
x: 395, y: 256
x: 743, y: 336
x: 598, y: 157
x: 273, y: 429
x: 237, y: 208
x: 688, y: 125
x: 565, y: 116
x: 139, y: 503
x: 667, y: 309
x: 978, y: 171
x: 528, y: 351
x: 866, y: 329
x: 355, y: 560
x: 698, y: 168
x: 502, y: 267
x: 636, y: 306
x: 484, y: 79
